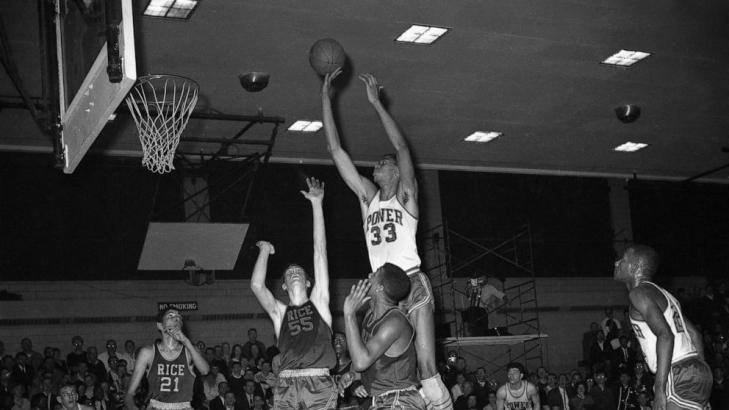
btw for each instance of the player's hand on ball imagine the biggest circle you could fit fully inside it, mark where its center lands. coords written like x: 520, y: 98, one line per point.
x: 316, y: 190
x: 266, y: 246
x: 326, y: 87
x: 372, y: 86
x: 361, y: 392
x: 357, y: 296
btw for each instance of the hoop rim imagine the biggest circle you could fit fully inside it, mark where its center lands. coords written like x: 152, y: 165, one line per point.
x: 151, y: 77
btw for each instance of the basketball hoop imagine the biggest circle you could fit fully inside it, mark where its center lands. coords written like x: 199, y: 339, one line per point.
x: 161, y: 106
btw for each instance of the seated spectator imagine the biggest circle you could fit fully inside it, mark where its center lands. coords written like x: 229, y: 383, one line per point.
x: 642, y: 380
x: 581, y: 400
x: 252, y: 340
x: 626, y: 397
x: 462, y: 402
x: 129, y: 355
x: 603, y: 396
x: 236, y: 353
x: 236, y: 382
x: 78, y: 354
x: 22, y: 372
x: 90, y: 387
x: 623, y: 358
x: 68, y: 398
x: 644, y: 402
x: 491, y: 404
x: 20, y: 402
x: 557, y: 398
x: 219, y: 360
x: 45, y: 398
x: 601, y: 352
x: 481, y: 386
x: 457, y: 389
x: 95, y: 365
x: 34, y: 358
x: 218, y: 403
x: 211, y: 382
x: 259, y: 403
x: 110, y: 352
x: 609, y: 325
x: 249, y: 394
x: 266, y: 379
x: 100, y: 400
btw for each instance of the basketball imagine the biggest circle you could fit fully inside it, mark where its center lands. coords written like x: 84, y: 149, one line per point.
x: 326, y: 55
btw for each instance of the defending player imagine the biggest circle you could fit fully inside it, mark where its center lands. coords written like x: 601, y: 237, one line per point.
x: 168, y: 365
x: 384, y: 352
x: 390, y: 214
x: 672, y: 346
x: 517, y: 394
x: 303, y: 327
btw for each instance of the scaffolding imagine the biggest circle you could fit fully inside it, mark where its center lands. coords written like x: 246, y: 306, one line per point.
x: 517, y: 335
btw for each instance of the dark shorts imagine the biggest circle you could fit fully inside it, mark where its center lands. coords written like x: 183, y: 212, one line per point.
x: 421, y: 294
x: 305, y: 392
x: 689, y: 383
x: 408, y: 399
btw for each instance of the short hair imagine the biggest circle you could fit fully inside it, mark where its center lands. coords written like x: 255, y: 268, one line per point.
x: 253, y: 329
x: 515, y: 365
x: 161, y: 314
x: 77, y: 338
x: 395, y: 282
x: 293, y: 265
x: 648, y: 258
x: 391, y: 156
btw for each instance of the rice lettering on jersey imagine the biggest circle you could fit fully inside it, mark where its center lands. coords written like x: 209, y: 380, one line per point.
x: 170, y: 381
x: 305, y: 339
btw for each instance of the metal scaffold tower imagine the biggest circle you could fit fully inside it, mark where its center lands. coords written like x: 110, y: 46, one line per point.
x: 452, y: 260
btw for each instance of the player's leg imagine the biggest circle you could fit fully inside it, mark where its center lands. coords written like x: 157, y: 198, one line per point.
x: 318, y: 393
x: 420, y: 307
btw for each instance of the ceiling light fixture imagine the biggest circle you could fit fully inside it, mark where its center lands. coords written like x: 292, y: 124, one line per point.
x: 481, y: 136
x: 625, y: 58
x: 173, y: 9
x: 630, y: 146
x: 419, y: 34
x: 305, y: 126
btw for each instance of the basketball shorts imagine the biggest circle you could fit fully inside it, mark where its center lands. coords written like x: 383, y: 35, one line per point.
x: 421, y: 294
x: 689, y: 383
x: 305, y: 389
x: 398, y: 399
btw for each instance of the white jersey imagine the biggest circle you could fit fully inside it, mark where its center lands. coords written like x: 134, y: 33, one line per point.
x: 519, y: 399
x: 682, y: 345
x: 390, y: 234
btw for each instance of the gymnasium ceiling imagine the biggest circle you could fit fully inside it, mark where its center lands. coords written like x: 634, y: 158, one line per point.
x: 528, y: 68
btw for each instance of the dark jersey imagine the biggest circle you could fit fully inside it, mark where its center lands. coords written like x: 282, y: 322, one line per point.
x: 170, y: 381
x: 389, y: 373
x: 305, y: 340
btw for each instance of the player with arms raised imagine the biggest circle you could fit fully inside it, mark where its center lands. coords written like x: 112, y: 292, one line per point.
x: 303, y: 327
x: 168, y: 365
x: 390, y: 214
x: 671, y: 344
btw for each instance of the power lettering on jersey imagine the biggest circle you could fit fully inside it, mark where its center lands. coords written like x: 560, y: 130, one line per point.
x: 384, y: 215
x: 164, y: 369
x: 519, y: 405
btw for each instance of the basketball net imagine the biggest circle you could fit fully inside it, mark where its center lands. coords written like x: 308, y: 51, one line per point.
x: 161, y: 106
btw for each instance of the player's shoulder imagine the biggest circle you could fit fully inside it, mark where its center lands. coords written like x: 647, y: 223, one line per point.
x: 501, y: 391
x: 531, y: 387
x: 645, y: 292
x: 146, y: 352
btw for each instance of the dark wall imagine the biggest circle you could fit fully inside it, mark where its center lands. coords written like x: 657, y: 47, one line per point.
x: 92, y: 224
x: 569, y: 219
x: 688, y: 224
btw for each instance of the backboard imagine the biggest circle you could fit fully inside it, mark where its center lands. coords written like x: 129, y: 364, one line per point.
x: 87, y: 96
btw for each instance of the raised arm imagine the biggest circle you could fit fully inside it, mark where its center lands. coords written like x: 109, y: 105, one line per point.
x: 194, y: 355
x: 361, y: 186
x: 258, y: 285
x: 408, y: 189
x: 645, y: 303
x: 144, y: 360
x: 388, y: 332
x: 320, y: 291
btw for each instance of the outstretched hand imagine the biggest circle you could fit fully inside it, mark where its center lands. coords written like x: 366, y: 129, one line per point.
x: 266, y: 246
x: 326, y: 87
x: 372, y: 86
x: 316, y: 190
x: 357, y: 297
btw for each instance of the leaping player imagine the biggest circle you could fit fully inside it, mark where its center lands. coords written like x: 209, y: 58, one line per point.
x: 303, y: 327
x: 168, y: 365
x: 390, y: 214
x: 671, y: 344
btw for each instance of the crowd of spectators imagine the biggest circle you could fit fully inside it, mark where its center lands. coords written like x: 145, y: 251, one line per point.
x: 611, y: 375
x: 240, y: 376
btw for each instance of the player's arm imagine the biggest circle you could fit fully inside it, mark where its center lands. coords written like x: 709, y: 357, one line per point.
x: 195, y: 357
x: 361, y: 186
x: 258, y: 285
x: 408, y: 189
x: 646, y: 305
x: 533, y: 395
x: 501, y: 398
x: 696, y: 337
x: 320, y: 291
x: 363, y: 355
x: 144, y: 360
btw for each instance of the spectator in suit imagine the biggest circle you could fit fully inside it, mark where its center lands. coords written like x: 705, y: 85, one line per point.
x: 627, y: 397
x: 219, y: 403
x: 96, y: 367
x: 22, y: 372
x: 601, y: 352
x: 642, y: 380
x: 609, y: 325
x: 582, y: 399
x: 45, y: 399
x: 623, y: 358
x: 20, y: 402
x: 248, y: 396
x: 589, y: 338
x: 602, y: 395
x: 110, y: 352
x: 34, y: 358
x: 557, y: 398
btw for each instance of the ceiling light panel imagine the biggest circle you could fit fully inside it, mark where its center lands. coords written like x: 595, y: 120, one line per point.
x: 419, y: 34
x: 625, y: 58
x: 630, y: 146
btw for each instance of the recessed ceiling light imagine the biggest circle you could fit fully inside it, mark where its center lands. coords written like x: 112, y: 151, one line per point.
x: 421, y: 34
x: 305, y: 126
x: 480, y: 136
x: 174, y: 9
x: 630, y: 147
x: 625, y: 58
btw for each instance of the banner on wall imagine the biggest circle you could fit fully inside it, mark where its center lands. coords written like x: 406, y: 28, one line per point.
x: 181, y: 306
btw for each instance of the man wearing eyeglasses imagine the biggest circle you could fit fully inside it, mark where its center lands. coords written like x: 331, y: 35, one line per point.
x: 110, y: 351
